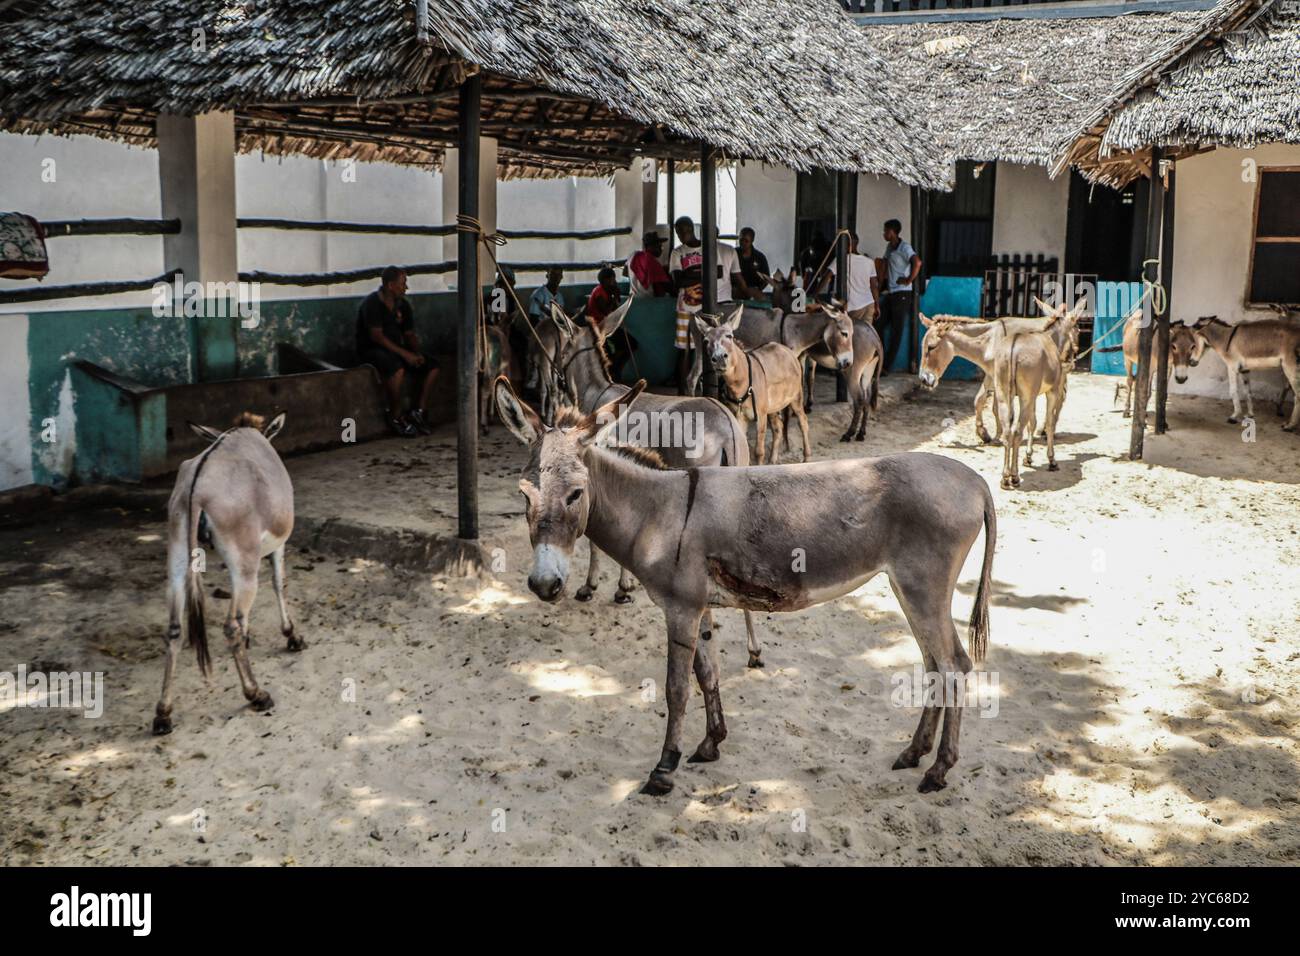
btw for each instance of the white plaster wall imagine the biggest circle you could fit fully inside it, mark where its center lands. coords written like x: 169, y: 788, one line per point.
x: 1029, y: 211
x: 881, y: 198
x: 765, y: 201
x: 15, y: 404
x: 686, y: 199
x: 1214, y: 220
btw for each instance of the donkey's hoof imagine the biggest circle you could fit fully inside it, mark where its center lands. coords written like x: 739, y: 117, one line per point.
x: 846, y: 437
x: 1287, y: 428
x: 295, y: 642
x: 1015, y: 481
x: 584, y: 593
x: 622, y: 597
x: 706, y: 752
x: 756, y: 659
x: 931, y: 782
x: 860, y: 436
x: 1128, y: 414
x: 261, y: 702
x: 807, y: 408
x: 906, y: 760
x: 1233, y: 420
x: 1053, y: 466
x: 162, y: 725
x: 1006, y: 484
x: 658, y: 784
x: 1029, y: 461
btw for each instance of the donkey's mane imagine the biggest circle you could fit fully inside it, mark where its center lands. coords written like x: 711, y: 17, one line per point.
x: 568, y: 416
x: 249, y: 420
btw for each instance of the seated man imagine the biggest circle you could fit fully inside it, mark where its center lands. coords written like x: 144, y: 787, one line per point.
x: 386, y: 339
x: 603, y: 300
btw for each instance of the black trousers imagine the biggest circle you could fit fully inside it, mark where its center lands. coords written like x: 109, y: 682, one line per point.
x: 895, y: 313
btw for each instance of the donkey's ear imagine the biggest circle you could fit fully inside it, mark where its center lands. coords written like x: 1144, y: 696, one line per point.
x: 1046, y: 309
x: 610, y: 323
x: 523, y: 422
x: 203, y: 431
x: 606, y: 417
x: 701, y: 323
x: 926, y: 320
x: 733, y: 321
x: 561, y: 320
x: 272, y: 428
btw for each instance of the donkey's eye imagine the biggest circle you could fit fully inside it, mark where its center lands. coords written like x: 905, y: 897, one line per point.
x: 574, y: 495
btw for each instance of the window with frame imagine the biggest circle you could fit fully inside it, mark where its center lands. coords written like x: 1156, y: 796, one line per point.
x: 1275, y: 253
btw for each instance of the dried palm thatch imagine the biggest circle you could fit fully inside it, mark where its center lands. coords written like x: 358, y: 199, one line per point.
x: 1233, y: 82
x: 1010, y: 89
x: 569, y: 85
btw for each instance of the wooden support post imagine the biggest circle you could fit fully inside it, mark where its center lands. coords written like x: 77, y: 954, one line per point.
x: 672, y: 204
x: 1166, y: 279
x: 469, y: 293
x: 709, y: 247
x: 1146, y: 337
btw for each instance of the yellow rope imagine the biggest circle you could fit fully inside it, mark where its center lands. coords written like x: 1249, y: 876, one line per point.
x: 1159, y: 302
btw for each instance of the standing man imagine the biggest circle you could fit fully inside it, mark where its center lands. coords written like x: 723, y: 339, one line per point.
x: 753, y: 264
x: 863, y: 286
x: 685, y: 265
x: 902, y: 266
x: 645, y: 271
x: 386, y: 339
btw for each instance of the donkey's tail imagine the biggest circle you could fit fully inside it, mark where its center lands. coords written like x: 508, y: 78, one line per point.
x: 785, y: 424
x: 875, y: 383
x: 978, y: 636
x: 196, y: 626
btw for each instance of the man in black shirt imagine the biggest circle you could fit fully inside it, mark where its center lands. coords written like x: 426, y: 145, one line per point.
x: 753, y: 264
x: 386, y: 339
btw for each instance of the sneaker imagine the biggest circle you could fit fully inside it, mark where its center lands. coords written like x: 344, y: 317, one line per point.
x: 417, y: 418
x: 403, y: 428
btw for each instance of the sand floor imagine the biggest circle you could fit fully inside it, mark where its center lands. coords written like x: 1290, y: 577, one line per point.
x: 1145, y: 637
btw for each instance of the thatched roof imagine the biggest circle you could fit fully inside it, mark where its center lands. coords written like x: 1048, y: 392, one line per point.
x: 569, y: 85
x: 1235, y: 83
x: 1010, y: 89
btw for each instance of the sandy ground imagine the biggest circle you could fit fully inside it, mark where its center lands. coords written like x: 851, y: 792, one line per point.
x: 1144, y: 636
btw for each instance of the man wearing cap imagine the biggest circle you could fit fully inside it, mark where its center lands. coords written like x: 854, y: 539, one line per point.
x: 645, y: 271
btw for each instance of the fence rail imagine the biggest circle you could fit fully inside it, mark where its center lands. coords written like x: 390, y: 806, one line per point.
x: 1012, y: 282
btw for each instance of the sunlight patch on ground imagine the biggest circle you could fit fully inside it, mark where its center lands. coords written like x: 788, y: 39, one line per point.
x: 405, y: 729
x: 487, y: 600
x: 563, y: 677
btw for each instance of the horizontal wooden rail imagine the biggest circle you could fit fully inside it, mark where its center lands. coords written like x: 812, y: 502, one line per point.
x: 111, y: 227
x: 83, y: 289
x: 316, y: 225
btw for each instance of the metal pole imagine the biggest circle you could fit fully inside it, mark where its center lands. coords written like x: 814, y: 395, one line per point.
x: 1167, y: 280
x: 672, y: 203
x: 469, y: 294
x: 845, y: 201
x: 709, y: 247
x: 1146, y: 337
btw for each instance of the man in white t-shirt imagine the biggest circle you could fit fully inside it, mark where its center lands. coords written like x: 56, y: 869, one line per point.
x: 863, y: 286
x: 685, y: 265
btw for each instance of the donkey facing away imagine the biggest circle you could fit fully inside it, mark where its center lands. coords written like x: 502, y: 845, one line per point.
x: 237, y: 497
x: 722, y: 537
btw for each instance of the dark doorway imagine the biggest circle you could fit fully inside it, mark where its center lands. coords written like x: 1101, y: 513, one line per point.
x: 814, y: 213
x: 1105, y: 231
x: 959, y: 237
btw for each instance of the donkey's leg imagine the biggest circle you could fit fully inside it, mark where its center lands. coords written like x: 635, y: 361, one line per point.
x: 760, y: 438
x: 706, y: 673
x: 1130, y: 379
x: 856, y: 408
x: 1031, y: 429
x: 626, y: 585
x: 925, y: 592
x: 585, y: 592
x: 803, y: 429
x: 982, y: 398
x: 1006, y: 419
x: 755, y: 652
x: 1245, y: 383
x: 243, y: 582
x: 1235, y: 417
x: 923, y: 737
x: 177, y: 572
x: 296, y: 643
x: 1291, y: 369
x: 809, y: 378
x: 683, y: 632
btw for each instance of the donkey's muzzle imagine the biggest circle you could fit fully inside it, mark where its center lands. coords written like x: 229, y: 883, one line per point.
x: 928, y: 379
x: 550, y: 569
x: 547, y: 588
x: 842, y: 363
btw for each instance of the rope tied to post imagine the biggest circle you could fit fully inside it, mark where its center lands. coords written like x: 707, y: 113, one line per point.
x: 1155, y: 291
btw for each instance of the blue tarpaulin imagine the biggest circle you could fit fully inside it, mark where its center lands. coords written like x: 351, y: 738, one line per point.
x: 954, y: 295
x: 1114, y: 301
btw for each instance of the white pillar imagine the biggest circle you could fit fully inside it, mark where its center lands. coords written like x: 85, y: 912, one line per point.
x: 196, y: 166
x: 631, y: 195
x: 196, y: 170
x: 487, y: 205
